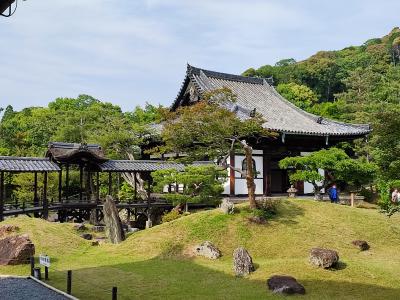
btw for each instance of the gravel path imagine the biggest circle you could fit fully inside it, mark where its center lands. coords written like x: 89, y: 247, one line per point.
x: 26, y: 289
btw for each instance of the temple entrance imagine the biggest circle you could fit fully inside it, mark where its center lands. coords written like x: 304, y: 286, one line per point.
x: 279, y: 178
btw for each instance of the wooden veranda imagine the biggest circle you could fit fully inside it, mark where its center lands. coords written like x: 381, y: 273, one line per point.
x: 90, y: 162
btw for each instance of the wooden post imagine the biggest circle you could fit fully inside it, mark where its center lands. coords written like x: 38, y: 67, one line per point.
x: 109, y: 183
x: 35, y: 195
x: 46, y: 273
x: 45, y: 201
x: 32, y: 261
x: 80, y: 182
x: 232, y: 175
x: 114, y: 293
x: 267, y: 175
x: 1, y: 196
x: 135, y: 180
x: 60, y: 186
x: 118, y: 183
x: 69, y: 282
x: 352, y: 199
x: 148, y: 223
x: 97, y: 187
x: 67, y: 182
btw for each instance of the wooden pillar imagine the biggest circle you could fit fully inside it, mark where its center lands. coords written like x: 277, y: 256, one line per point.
x: 118, y: 183
x: 97, y: 187
x: 60, y: 185
x: 88, y: 190
x: 1, y: 196
x: 45, y: 200
x: 148, y: 223
x: 67, y: 182
x: 135, y: 180
x: 109, y: 183
x: 35, y: 190
x: 267, y: 175
x: 352, y: 199
x: 232, y: 175
x: 80, y: 182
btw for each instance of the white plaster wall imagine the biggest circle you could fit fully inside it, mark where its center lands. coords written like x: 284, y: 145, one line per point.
x: 308, y: 187
x: 240, y: 183
x: 241, y: 187
x: 227, y: 185
x: 259, y: 164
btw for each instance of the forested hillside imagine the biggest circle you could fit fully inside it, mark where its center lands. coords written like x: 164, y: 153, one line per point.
x: 359, y: 84
x: 82, y: 119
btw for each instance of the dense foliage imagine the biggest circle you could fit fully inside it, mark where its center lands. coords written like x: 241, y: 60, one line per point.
x: 359, y: 84
x: 335, y: 162
x: 82, y: 119
x: 200, y: 184
x: 208, y: 130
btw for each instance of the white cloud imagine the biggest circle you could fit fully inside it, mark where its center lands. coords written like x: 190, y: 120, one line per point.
x: 129, y: 52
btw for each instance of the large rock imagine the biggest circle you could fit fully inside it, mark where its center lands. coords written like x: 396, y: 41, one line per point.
x: 15, y: 250
x: 242, y: 262
x: 114, y: 231
x: 285, y: 285
x: 7, y: 229
x: 324, y: 258
x: 227, y: 207
x: 207, y: 249
x: 362, y: 245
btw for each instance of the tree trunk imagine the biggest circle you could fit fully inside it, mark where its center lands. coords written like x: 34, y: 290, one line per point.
x: 317, y: 190
x: 251, y: 187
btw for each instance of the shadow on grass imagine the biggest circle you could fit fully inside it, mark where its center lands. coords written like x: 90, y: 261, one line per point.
x: 159, y: 278
x: 287, y: 213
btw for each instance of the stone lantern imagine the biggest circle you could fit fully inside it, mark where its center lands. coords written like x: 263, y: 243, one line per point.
x: 292, y: 191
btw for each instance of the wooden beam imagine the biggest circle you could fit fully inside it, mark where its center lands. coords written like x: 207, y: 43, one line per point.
x: 1, y: 196
x: 80, y: 182
x: 67, y: 182
x: 45, y: 200
x: 60, y: 185
x: 35, y: 190
x: 135, y: 180
x: 97, y: 187
x: 267, y: 174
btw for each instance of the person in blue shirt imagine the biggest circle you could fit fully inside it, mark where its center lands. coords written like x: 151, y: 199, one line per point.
x: 333, y: 194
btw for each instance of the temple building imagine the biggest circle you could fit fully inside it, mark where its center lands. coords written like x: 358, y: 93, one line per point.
x: 299, y: 131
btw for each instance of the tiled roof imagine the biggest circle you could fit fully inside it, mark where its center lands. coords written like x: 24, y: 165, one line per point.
x: 280, y: 114
x: 27, y: 164
x: 73, y: 152
x: 142, y: 165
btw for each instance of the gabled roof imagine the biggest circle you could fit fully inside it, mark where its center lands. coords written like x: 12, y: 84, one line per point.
x: 75, y: 153
x: 255, y: 93
x: 27, y: 164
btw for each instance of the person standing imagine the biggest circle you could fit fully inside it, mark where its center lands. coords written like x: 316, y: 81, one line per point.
x: 333, y: 194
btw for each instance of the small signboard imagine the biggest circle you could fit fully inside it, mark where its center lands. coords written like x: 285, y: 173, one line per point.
x: 44, y: 260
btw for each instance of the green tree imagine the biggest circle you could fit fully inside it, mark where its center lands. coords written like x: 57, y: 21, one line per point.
x: 335, y: 162
x: 208, y: 130
x: 201, y: 184
x: 300, y: 95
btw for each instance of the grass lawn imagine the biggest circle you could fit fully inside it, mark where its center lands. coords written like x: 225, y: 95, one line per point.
x: 157, y: 264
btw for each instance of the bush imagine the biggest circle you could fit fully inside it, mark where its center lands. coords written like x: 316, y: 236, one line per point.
x: 269, y: 206
x: 367, y: 194
x: 170, y: 216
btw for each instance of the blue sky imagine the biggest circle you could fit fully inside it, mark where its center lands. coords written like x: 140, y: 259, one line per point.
x: 130, y: 51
